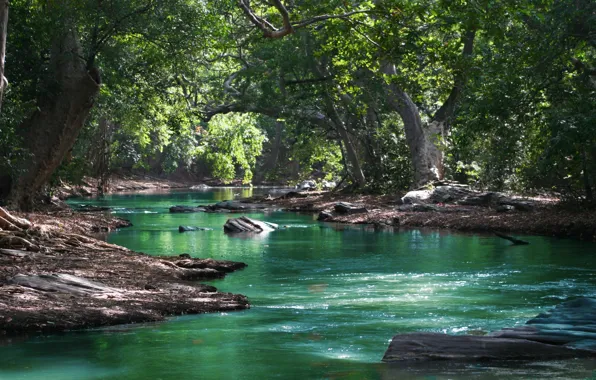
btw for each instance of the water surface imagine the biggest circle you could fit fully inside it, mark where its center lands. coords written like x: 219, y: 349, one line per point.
x: 326, y: 300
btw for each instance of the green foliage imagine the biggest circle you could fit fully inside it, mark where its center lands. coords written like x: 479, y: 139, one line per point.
x: 231, y: 143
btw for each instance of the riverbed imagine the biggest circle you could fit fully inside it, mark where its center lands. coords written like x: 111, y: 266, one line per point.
x: 325, y: 300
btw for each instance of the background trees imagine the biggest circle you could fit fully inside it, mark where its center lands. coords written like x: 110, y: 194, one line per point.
x: 385, y: 95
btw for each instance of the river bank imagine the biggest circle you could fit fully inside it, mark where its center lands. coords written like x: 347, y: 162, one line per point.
x: 55, y: 276
x: 545, y: 217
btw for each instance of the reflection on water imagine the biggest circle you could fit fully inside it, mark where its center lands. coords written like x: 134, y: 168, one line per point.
x: 326, y: 301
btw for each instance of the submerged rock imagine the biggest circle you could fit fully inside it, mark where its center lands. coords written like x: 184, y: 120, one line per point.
x: 245, y: 224
x: 324, y: 215
x: 191, y: 228
x: 184, y: 209
x: 567, y: 331
x: 417, y: 347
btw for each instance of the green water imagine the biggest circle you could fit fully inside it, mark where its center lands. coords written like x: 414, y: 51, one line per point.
x: 326, y: 301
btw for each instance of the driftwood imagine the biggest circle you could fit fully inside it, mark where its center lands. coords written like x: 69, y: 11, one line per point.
x: 511, y: 239
x: 62, y: 283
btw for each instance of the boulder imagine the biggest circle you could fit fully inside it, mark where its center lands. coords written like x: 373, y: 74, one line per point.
x: 450, y: 194
x: 566, y: 331
x: 199, y: 187
x: 324, y: 215
x: 417, y: 207
x: 328, y: 185
x: 418, y: 347
x: 307, y: 185
x: 230, y: 205
x: 245, y: 224
x: 572, y: 323
x: 184, y: 209
x: 348, y: 208
x: 505, y: 208
x: 417, y: 196
x: 483, y: 199
x: 191, y: 228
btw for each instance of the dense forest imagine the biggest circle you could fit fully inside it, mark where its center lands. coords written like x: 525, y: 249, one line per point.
x: 381, y: 96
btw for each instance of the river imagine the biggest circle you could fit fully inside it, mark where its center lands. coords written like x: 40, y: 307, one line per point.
x: 325, y: 300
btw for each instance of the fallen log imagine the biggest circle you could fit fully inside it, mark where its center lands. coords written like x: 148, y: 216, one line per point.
x: 19, y: 222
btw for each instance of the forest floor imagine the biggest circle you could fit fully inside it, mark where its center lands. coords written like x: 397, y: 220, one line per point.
x: 546, y: 217
x: 55, y: 276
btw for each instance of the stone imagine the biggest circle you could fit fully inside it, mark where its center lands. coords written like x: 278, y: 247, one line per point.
x: 328, y: 185
x: 349, y: 208
x: 416, y: 207
x: 483, y: 200
x: 191, y: 228
x: 307, y: 185
x: 185, y: 209
x: 450, y: 194
x: 245, y: 224
x: 324, y: 215
x: 199, y: 187
x: 417, y: 196
x: 416, y: 347
x: 505, y: 208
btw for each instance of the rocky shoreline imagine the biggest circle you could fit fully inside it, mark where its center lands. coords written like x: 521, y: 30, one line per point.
x: 534, y: 216
x: 55, y: 276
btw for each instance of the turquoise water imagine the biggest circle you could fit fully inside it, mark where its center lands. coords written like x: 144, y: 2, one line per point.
x: 325, y: 299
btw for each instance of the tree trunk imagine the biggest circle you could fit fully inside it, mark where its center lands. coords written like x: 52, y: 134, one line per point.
x: 423, y: 139
x: 3, y: 32
x: 61, y: 112
x: 355, y: 169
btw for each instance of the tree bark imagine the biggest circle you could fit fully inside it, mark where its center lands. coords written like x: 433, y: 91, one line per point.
x: 355, y: 168
x: 61, y: 112
x: 3, y: 32
x: 427, y: 157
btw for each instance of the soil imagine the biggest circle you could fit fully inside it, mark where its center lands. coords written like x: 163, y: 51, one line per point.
x: 138, y: 287
x: 547, y: 217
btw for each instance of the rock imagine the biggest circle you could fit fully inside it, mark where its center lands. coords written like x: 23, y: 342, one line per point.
x: 293, y: 194
x: 245, y: 224
x: 505, y: 208
x: 417, y: 196
x: 483, y: 200
x: 230, y: 205
x: 571, y: 323
x: 324, y: 215
x: 184, y: 209
x: 219, y: 265
x: 91, y: 208
x: 348, y: 208
x: 417, y: 347
x: 416, y: 207
x: 307, y: 185
x: 328, y: 185
x: 191, y: 228
x: 200, y: 187
x: 518, y: 204
x: 184, y: 255
x: 449, y: 194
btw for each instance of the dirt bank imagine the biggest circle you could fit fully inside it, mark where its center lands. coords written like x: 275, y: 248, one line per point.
x: 55, y: 276
x: 545, y: 218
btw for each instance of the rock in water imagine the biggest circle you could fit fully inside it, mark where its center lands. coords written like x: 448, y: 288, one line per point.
x: 436, y: 346
x: 191, y: 228
x: 184, y: 209
x: 323, y: 216
x: 245, y: 224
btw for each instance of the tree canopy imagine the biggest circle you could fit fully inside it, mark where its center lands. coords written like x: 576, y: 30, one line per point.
x: 380, y: 96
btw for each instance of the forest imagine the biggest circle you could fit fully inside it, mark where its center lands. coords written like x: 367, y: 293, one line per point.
x: 380, y: 96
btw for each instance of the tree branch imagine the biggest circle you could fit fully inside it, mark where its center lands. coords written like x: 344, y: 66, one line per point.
x: 270, y: 31
x: 447, y: 110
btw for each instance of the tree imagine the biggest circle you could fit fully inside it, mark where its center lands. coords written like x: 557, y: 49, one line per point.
x: 3, y: 32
